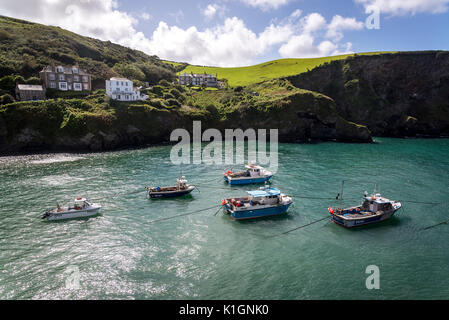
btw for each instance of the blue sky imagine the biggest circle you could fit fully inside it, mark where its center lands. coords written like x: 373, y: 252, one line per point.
x: 243, y: 32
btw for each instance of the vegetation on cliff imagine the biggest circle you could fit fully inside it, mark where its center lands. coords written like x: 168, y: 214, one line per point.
x: 97, y: 123
x: 25, y: 48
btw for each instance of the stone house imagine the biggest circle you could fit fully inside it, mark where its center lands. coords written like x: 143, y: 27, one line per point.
x: 28, y: 92
x: 66, y: 78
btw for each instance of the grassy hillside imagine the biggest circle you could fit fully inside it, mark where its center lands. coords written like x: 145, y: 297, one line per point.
x: 243, y: 76
x: 25, y: 48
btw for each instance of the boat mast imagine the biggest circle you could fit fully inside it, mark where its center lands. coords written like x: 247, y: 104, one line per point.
x: 341, y: 193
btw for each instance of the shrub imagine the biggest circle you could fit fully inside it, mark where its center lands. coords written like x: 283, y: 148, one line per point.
x: 164, y: 83
x: 6, y: 98
x: 173, y: 102
x: 175, y: 93
x: 168, y: 96
x: 158, y: 90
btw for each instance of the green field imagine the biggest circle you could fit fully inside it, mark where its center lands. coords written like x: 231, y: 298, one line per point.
x: 243, y: 76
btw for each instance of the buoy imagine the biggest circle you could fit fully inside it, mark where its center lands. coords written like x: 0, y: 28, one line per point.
x: 223, y: 202
x: 331, y: 211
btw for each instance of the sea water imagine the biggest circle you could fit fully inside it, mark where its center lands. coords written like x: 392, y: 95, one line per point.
x: 125, y: 253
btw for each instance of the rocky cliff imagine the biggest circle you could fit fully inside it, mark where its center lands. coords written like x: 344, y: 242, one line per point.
x: 98, y: 124
x: 402, y: 94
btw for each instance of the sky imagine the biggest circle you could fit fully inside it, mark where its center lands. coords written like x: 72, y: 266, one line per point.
x: 230, y: 33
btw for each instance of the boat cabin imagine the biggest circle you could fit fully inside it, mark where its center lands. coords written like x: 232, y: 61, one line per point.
x: 264, y: 196
x: 376, y: 203
x: 81, y: 203
x: 181, y: 183
x: 253, y: 170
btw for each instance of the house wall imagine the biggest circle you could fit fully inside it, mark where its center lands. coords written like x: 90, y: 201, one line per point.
x: 66, y: 79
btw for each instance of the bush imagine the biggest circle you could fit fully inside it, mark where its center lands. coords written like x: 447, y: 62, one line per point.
x: 6, y: 98
x: 168, y: 96
x: 54, y: 94
x: 175, y: 93
x: 173, y: 102
x: 158, y: 90
x: 164, y: 83
x: 157, y: 103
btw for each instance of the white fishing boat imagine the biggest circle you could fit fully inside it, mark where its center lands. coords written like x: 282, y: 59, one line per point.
x: 374, y: 208
x: 81, y: 208
x: 252, y: 174
x: 182, y: 188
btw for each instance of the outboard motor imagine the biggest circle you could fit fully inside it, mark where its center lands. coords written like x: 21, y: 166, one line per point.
x: 46, y: 215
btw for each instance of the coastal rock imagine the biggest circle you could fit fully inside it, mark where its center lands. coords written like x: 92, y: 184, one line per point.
x: 402, y: 94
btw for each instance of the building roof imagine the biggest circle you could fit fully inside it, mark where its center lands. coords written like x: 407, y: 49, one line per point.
x: 264, y: 192
x: 119, y: 79
x: 67, y: 70
x: 30, y: 87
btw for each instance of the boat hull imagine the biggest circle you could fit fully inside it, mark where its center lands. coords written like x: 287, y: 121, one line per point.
x: 170, y: 194
x: 257, y: 213
x: 353, y: 223
x: 246, y: 180
x: 73, y: 215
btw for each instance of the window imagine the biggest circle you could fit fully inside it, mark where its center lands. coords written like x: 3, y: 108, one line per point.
x: 61, y: 77
x: 52, y: 85
x: 77, y: 86
x: 84, y: 79
x: 76, y: 78
x: 63, y: 86
x: 85, y: 86
x: 52, y: 77
x: 60, y: 69
x: 75, y: 70
x: 118, y: 97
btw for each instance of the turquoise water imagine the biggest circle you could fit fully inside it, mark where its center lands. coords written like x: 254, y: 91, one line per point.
x: 122, y: 255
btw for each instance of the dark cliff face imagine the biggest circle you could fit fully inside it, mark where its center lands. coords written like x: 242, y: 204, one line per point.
x: 402, y: 94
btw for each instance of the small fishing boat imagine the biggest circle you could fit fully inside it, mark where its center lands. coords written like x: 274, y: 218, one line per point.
x: 252, y: 174
x: 182, y: 188
x: 260, y: 203
x: 82, y: 208
x: 374, y: 208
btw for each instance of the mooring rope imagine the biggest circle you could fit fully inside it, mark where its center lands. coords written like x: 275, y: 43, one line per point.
x: 300, y: 227
x: 184, y: 214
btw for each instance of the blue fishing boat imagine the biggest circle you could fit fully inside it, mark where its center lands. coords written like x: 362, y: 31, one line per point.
x: 252, y: 174
x: 260, y: 203
x: 182, y: 188
x: 374, y: 208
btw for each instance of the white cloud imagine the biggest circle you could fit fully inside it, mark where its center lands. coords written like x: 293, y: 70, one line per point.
x: 210, y: 11
x: 229, y: 44
x: 266, y: 4
x: 145, y: 16
x: 403, y: 7
x: 296, y: 13
x: 213, y: 10
x: 304, y: 44
x: 339, y: 24
x: 313, y: 22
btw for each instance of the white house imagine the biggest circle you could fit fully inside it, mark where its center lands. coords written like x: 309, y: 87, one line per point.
x: 122, y: 89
